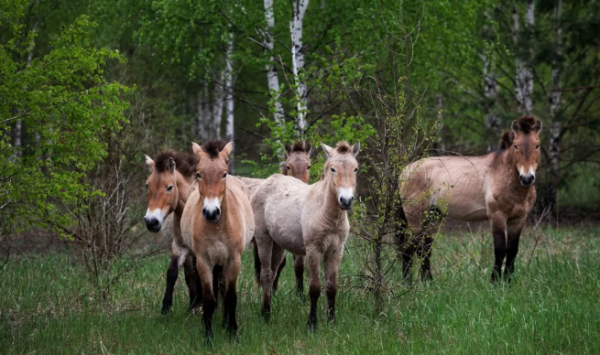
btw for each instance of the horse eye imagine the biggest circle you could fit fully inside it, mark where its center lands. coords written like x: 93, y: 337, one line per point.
x: 288, y: 167
x: 169, y: 188
x: 355, y: 170
x: 537, y: 146
x: 147, y: 186
x: 515, y: 147
x: 224, y: 175
x: 332, y: 170
x: 198, y: 175
x: 308, y: 167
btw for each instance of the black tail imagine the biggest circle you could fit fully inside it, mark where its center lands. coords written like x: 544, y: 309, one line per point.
x: 257, y: 265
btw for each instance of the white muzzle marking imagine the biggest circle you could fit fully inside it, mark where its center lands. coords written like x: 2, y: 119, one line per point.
x: 157, y: 214
x: 212, y: 204
x: 345, y: 193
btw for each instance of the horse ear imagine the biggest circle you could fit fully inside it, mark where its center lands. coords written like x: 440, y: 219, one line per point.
x: 307, y: 147
x: 538, y: 126
x: 288, y: 148
x: 356, y: 148
x: 514, y: 126
x: 196, y: 148
x: 149, y: 163
x: 327, y: 149
x: 227, y: 149
x: 171, y: 165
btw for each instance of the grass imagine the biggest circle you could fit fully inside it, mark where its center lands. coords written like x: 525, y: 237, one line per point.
x: 47, y: 306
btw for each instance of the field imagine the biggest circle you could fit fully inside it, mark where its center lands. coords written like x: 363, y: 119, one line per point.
x: 47, y: 306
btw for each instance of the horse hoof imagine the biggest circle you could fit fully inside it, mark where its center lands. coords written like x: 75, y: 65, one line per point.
x: 166, y: 308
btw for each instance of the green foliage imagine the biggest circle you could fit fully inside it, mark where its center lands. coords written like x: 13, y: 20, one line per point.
x: 67, y: 109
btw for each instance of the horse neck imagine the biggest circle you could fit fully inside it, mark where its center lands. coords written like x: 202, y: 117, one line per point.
x: 330, y: 209
x: 184, y: 187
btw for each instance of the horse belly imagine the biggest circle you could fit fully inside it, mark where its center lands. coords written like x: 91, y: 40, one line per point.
x: 285, y: 229
x: 469, y: 207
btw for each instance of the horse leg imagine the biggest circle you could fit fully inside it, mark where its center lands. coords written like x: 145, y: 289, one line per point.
x: 172, y: 274
x: 277, y: 258
x: 278, y: 273
x: 430, y: 229
x: 230, y: 274
x: 512, y: 248
x: 193, y: 281
x: 299, y: 272
x: 209, y: 302
x: 313, y: 259
x: 499, y: 233
x: 332, y: 265
x: 265, y: 248
x: 405, y: 246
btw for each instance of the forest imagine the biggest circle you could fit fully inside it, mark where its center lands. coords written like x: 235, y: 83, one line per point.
x: 89, y: 87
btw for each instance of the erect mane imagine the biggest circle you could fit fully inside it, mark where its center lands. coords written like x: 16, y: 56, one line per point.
x: 301, y: 147
x: 343, y: 147
x: 506, y: 140
x: 526, y: 123
x: 184, y: 163
x: 214, y: 147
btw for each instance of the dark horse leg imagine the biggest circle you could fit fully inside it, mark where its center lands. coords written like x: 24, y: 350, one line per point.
x: 192, y: 279
x: 499, y: 233
x: 209, y: 302
x: 278, y: 273
x: 405, y: 247
x: 313, y: 260
x: 512, y: 248
x: 430, y: 226
x: 172, y: 274
x: 299, y: 272
x: 230, y: 274
x: 332, y: 265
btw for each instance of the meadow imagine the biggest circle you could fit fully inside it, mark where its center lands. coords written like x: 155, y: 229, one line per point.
x: 48, y: 306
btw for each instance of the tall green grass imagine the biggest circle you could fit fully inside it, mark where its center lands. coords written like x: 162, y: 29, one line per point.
x: 47, y: 306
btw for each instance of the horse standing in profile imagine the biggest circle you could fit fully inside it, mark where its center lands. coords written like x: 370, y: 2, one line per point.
x: 169, y: 185
x: 498, y: 187
x: 222, y: 225
x: 306, y: 220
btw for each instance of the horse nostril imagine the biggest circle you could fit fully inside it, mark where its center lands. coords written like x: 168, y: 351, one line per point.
x: 152, y: 224
x: 346, y: 202
x: 527, y: 180
x: 211, y: 215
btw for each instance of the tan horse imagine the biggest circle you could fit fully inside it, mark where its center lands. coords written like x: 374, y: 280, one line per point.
x: 306, y: 220
x: 498, y: 187
x: 222, y: 225
x: 169, y: 185
x: 296, y: 164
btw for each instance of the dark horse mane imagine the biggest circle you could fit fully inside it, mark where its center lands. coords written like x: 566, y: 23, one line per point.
x: 214, y: 147
x: 343, y: 147
x: 506, y: 140
x: 524, y: 124
x: 185, y: 163
x: 300, y: 146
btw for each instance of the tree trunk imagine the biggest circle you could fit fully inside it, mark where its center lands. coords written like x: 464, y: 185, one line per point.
x: 296, y: 28
x: 272, y: 79
x: 204, y: 114
x: 555, y: 105
x: 229, y: 104
x: 219, y: 93
x: 490, y: 86
x: 524, y: 51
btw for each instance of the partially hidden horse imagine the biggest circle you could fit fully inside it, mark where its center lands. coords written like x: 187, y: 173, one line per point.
x: 222, y: 226
x: 498, y: 187
x: 169, y: 185
x: 296, y: 164
x: 306, y: 220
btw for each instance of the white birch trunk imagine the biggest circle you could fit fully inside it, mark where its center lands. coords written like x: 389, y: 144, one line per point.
x: 204, y: 114
x: 219, y: 94
x: 296, y: 29
x: 555, y: 102
x: 272, y: 79
x: 229, y: 103
x: 524, y: 75
x: 490, y: 85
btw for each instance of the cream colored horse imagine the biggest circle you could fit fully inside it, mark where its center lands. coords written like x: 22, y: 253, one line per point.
x: 169, y: 185
x: 296, y: 164
x: 306, y: 220
x: 222, y: 226
x: 498, y: 187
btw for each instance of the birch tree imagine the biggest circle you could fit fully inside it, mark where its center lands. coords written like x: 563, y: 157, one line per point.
x: 272, y: 79
x: 490, y: 81
x: 524, y: 75
x: 229, y: 103
x: 296, y: 29
x: 555, y: 102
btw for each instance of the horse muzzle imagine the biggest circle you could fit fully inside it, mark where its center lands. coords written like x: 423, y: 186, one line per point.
x: 211, y: 215
x: 527, y: 180
x: 152, y: 224
x: 346, y: 203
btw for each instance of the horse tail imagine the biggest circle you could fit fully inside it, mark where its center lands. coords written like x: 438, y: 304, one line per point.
x: 257, y: 265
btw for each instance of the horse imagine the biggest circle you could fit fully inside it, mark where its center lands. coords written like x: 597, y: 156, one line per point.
x: 296, y: 164
x: 169, y: 185
x: 222, y: 226
x: 306, y: 220
x: 498, y: 187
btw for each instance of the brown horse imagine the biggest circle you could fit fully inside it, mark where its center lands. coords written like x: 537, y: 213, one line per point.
x: 169, y: 185
x: 222, y: 226
x: 296, y: 164
x: 498, y: 187
x: 306, y: 220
